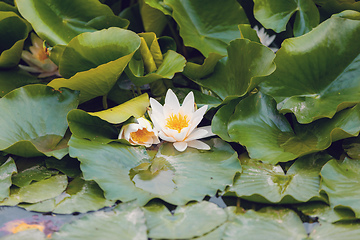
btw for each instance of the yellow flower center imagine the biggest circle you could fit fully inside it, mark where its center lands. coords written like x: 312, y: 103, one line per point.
x: 177, y: 122
x: 41, y: 55
x: 141, y: 135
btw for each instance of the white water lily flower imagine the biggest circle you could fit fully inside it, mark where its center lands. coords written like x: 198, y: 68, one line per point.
x: 178, y: 124
x: 265, y: 39
x: 140, y: 133
x: 38, y: 60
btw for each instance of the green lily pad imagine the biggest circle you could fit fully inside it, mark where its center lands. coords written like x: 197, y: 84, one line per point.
x: 257, y: 125
x: 59, y: 22
x: 267, y: 183
x: 83, y: 196
x: 185, y: 222
x: 135, y: 107
x: 67, y: 165
x: 160, y: 5
x: 195, y: 173
x: 153, y: 19
x: 340, y: 181
x: 325, y: 213
x: 338, y: 231
x: 92, y: 69
x: 84, y: 125
x: 7, y: 169
x: 19, y: 78
x: 171, y: 64
x: 352, y: 147
x: 33, y: 122
x: 276, y: 14
x: 220, y: 121
x: 126, y: 222
x: 196, y: 71
x: 336, y: 6
x: 37, y: 191
x: 35, y: 173
x: 240, y: 71
x: 13, y: 32
x: 201, y: 29
x: 269, y: 223
x: 317, y: 74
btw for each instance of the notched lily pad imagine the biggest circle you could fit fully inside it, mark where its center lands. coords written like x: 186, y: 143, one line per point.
x: 194, y: 173
x: 33, y: 122
x: 266, y: 183
x: 7, y: 169
x: 341, y: 182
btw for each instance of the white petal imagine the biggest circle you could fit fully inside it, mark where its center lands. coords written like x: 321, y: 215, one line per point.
x: 188, y: 103
x: 198, y: 133
x: 209, y: 131
x: 180, y: 136
x: 180, y: 146
x: 198, y: 145
x: 172, y: 101
x: 166, y: 138
x: 156, y: 106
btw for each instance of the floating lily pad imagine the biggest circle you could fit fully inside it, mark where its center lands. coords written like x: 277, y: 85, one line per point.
x: 325, y: 213
x: 201, y: 29
x: 185, y: 222
x: 92, y: 69
x: 35, y: 173
x: 338, y: 231
x: 257, y: 125
x: 7, y: 169
x: 37, y: 191
x: 317, y: 74
x: 341, y: 181
x: 126, y: 222
x: 195, y: 173
x: 33, y: 122
x: 305, y: 12
x: 19, y: 78
x: 240, y: 71
x: 352, y: 147
x: 267, y: 183
x: 269, y: 223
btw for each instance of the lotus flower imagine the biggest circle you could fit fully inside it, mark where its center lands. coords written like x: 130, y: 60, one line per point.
x: 265, y: 39
x: 38, y: 60
x: 140, y: 133
x: 178, y: 124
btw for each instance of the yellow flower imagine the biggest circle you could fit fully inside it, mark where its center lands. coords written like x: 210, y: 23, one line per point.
x: 37, y: 59
x: 140, y: 133
x: 178, y: 124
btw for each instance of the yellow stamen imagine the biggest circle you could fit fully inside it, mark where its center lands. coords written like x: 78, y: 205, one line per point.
x: 41, y: 55
x: 141, y: 135
x: 177, y: 122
